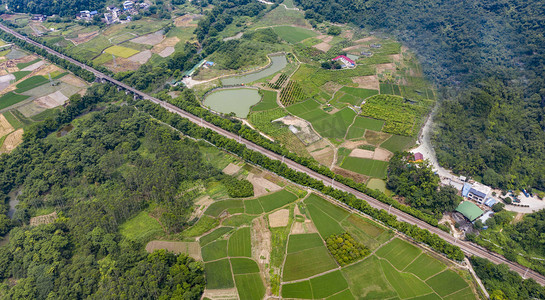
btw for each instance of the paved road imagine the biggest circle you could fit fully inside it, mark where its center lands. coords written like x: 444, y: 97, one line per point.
x: 467, y: 247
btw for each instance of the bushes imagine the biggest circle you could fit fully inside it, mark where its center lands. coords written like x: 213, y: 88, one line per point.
x: 238, y: 188
x: 345, y: 249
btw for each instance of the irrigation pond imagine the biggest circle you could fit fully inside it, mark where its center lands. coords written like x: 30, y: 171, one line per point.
x: 238, y: 101
x: 278, y: 62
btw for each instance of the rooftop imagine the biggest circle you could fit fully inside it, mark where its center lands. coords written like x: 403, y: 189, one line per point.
x: 469, y: 210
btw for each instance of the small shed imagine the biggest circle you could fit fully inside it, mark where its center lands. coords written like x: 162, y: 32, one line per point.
x: 470, y: 210
x: 418, y: 156
x: 466, y: 188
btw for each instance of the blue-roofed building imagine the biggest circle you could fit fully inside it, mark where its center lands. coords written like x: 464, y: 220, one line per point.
x: 490, y: 202
x: 466, y: 188
x: 94, y: 12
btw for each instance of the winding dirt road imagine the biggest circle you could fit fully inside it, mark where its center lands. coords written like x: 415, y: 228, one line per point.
x: 467, y: 247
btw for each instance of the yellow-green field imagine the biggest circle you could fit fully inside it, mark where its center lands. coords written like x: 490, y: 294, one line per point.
x: 121, y: 51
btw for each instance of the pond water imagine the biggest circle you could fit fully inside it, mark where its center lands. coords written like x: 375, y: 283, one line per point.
x: 278, y: 62
x: 238, y: 101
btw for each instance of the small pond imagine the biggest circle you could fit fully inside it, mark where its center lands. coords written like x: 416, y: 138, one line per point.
x: 238, y: 101
x: 278, y: 62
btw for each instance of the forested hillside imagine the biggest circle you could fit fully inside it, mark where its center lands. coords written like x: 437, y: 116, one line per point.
x: 111, y: 165
x: 59, y: 7
x: 489, y: 58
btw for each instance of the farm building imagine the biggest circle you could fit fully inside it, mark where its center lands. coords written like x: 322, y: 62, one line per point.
x: 418, y: 157
x: 490, y: 202
x: 466, y: 188
x: 127, y: 5
x: 478, y: 192
x: 469, y: 210
x: 347, y: 62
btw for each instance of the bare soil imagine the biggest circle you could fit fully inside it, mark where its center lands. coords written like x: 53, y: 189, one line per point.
x: 347, y: 34
x: 185, y: 21
x: 324, y: 156
x: 34, y: 66
x: 73, y: 80
x: 231, y: 169
x: 168, y: 42
x: 331, y: 87
x: 201, y: 206
x: 261, y: 242
x: 382, y: 154
x: 12, y: 141
x: 46, y: 70
x: 83, y: 38
x: 367, y: 82
x: 360, y: 153
x: 223, y: 294
x: 396, y: 57
x: 151, y: 39
x: 52, y: 100
x: 44, y: 219
x: 193, y: 249
x: 365, y: 40
x: 166, y: 52
x: 323, y: 46
x: 357, y: 177
x: 279, y: 218
x: 261, y: 185
x: 305, y: 132
x: 352, y: 144
x: 141, y: 57
x: 121, y: 65
x: 381, y: 68
x: 5, y: 126
x: 375, y: 137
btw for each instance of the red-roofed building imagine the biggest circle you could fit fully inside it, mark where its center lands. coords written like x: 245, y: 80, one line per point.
x: 348, y: 63
x: 418, y: 157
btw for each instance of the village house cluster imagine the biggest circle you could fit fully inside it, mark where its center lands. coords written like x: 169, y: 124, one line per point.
x: 115, y: 14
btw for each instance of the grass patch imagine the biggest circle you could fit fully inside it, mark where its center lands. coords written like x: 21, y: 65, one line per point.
x: 48, y: 113
x: 307, y: 263
x: 406, y: 285
x: 425, y: 266
x: 20, y: 74
x: 357, y: 130
x: 240, y: 243
x: 214, y: 235
x: 399, y: 253
x: 249, y: 286
x: 447, y: 282
x: 292, y: 34
x: 253, y: 207
x: 121, y: 51
x: 299, y: 242
x: 232, y: 206
x: 218, y: 274
x: 26, y: 64
x: 238, y: 220
x: 377, y: 184
x: 244, y: 266
x: 11, y: 98
x: 140, y: 227
x: 397, y: 143
x: 204, y: 224
x: 365, y: 166
x: 276, y: 200
x: 328, y: 284
x: 268, y: 101
x: 324, y: 223
x: 103, y: 58
x: 327, y: 125
x: 344, y: 295
x: 464, y: 294
x: 30, y: 83
x: 299, y: 290
x: 214, y: 250
x: 12, y: 120
x: 334, y: 211
x: 367, y: 281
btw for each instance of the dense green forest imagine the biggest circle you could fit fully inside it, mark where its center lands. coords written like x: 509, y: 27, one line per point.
x: 115, y: 162
x: 419, y: 186
x: 59, y: 7
x: 489, y: 57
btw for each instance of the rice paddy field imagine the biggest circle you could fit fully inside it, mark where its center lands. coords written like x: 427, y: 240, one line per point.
x: 292, y: 34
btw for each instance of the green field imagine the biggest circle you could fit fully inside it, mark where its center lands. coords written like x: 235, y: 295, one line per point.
x: 293, y: 34
x: 140, y: 227
x: 214, y: 250
x: 268, y: 101
x: 214, y: 235
x: 276, y: 200
x: 30, y: 83
x: 243, y: 266
x: 249, y: 286
x: 344, y: 295
x: 26, y: 64
x: 299, y: 242
x: 399, y: 253
x: 367, y: 281
x: 299, y: 290
x: 307, y: 263
x: 377, y: 184
x: 324, y: 223
x: 12, y: 120
x: 334, y: 211
x: 232, y: 206
x: 253, y: 207
x: 328, y: 284
x: 425, y: 266
x: 352, y: 96
x: 465, y: 294
x: 20, y: 74
x: 447, y: 282
x: 357, y: 129
x: 365, y: 231
x: 121, y: 51
x: 218, y: 274
x: 240, y: 243
x: 238, y: 220
x: 204, y: 224
x: 370, y: 167
x: 327, y: 125
x: 397, y: 143
x: 406, y: 285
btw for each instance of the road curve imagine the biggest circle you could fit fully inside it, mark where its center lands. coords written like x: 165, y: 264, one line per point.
x: 468, y: 248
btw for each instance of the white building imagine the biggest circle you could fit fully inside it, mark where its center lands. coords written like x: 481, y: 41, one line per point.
x: 479, y: 192
x: 128, y: 5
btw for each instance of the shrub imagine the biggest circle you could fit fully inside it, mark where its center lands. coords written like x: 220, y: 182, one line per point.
x: 238, y: 188
x: 345, y: 249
